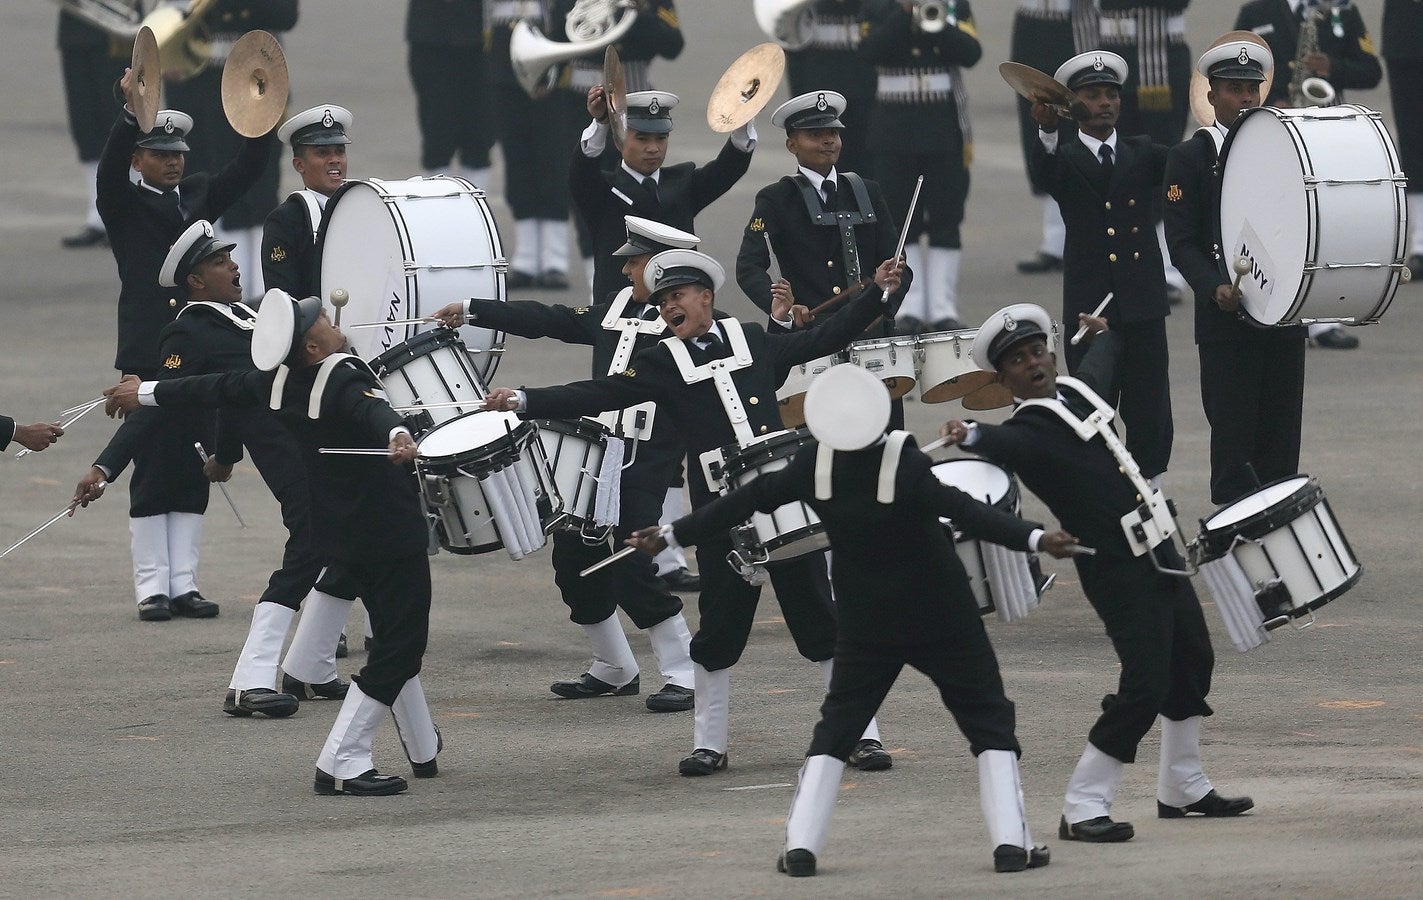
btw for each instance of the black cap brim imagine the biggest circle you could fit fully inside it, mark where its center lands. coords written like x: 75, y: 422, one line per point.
x: 1095, y: 76
x: 1007, y: 340
x: 814, y: 118
x: 200, y: 251
x: 649, y: 126
x: 1234, y: 71
x: 163, y: 142
x: 675, y: 278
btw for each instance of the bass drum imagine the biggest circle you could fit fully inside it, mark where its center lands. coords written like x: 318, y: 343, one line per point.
x: 404, y: 249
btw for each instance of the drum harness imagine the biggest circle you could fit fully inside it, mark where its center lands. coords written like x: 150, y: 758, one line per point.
x: 313, y: 209
x: 225, y: 310
x: 635, y: 422
x: 844, y: 221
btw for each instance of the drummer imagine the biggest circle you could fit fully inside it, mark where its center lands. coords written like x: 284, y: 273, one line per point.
x: 319, y: 137
x: 688, y: 375
x: 1153, y: 619
x: 34, y: 437
x: 632, y: 584
x: 902, y: 598
x: 1252, y: 379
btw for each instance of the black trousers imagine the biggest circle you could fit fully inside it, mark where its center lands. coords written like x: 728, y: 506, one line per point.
x: 1159, y: 632
x: 89, y: 77
x: 631, y: 583
x: 539, y: 138
x: 1405, y: 78
x: 941, y: 202
x: 396, y: 593
x: 963, y: 668
x: 1253, y: 395
x: 452, y: 104
x: 1142, y: 391
x: 301, y: 564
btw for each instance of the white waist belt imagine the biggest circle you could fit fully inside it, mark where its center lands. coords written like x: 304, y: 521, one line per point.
x: 910, y: 88
x: 585, y: 73
x: 513, y: 10
x: 1123, y: 30
x: 835, y: 35
x: 1051, y: 7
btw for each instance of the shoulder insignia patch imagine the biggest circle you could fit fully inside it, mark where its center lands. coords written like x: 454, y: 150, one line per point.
x: 668, y: 16
x: 174, y: 361
x: 1367, y: 45
x: 1173, y: 193
x: 278, y: 254
x: 629, y: 372
x: 757, y: 224
x: 581, y: 311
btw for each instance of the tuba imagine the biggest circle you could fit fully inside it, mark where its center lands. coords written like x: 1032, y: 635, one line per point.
x: 932, y: 16
x: 183, y: 42
x: 591, y: 26
x: 790, y: 23
x: 1312, y: 90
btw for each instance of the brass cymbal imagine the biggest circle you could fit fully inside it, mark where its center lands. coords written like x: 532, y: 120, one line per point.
x: 1035, y: 86
x: 1200, y: 84
x: 615, y: 90
x: 254, y: 84
x: 146, y: 95
x: 746, y: 87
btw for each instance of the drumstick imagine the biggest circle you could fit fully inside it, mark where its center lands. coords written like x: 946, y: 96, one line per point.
x: 74, y: 409
x: 452, y: 403
x: 1079, y: 550
x: 57, y: 516
x: 392, y: 322
x: 203, y: 455
x: 904, y: 232
x: 935, y: 444
x: 66, y: 423
x: 626, y: 551
x: 354, y: 451
x: 1082, y: 332
x: 1242, y: 268
x: 339, y: 298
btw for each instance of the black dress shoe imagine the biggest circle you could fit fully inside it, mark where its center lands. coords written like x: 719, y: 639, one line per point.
x: 194, y: 606
x: 682, y: 581
x: 1008, y: 858
x: 869, y: 756
x: 432, y: 768
x: 516, y: 279
x: 796, y: 863
x: 672, y: 698
x: 1038, y: 265
x: 1101, y: 830
x: 155, y: 609
x: 335, y: 689
x: 585, y: 686
x: 1335, y: 338
x: 948, y: 323
x: 88, y: 236
x: 1212, y: 805
x: 343, y: 649
x: 367, y: 784
x: 702, y: 762
x: 552, y: 281
x: 266, y: 701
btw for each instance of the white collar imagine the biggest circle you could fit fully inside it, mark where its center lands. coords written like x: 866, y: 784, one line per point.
x: 701, y: 340
x: 637, y: 176
x: 817, y: 180
x: 1096, y: 146
x: 145, y: 184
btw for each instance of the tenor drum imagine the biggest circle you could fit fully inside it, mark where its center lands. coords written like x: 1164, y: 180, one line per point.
x: 1314, y: 200
x: 576, y: 450
x: 791, y: 395
x: 431, y: 371
x: 888, y: 359
x: 1284, y: 554
x: 485, y: 478
x: 404, y: 249
x: 791, y: 530
x: 946, y: 367
x: 1002, y: 579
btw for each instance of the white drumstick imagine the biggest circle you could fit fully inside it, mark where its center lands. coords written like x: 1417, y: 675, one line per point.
x: 1082, y: 332
x: 1079, y: 550
x: 203, y: 455
x: 83, y: 411
x: 626, y: 551
x: 354, y: 451
x: 339, y: 298
x: 935, y: 444
x: 392, y: 322
x: 57, y: 516
x: 453, y: 404
x: 83, y: 406
x: 1242, y: 268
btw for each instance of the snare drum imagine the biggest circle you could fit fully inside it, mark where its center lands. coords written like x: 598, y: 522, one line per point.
x: 946, y: 367
x: 575, y: 450
x: 791, y: 395
x: 790, y: 531
x: 889, y: 359
x: 1314, y: 199
x: 1289, y: 548
x: 404, y: 249
x: 1002, y: 579
x: 487, y: 481
x: 430, y: 368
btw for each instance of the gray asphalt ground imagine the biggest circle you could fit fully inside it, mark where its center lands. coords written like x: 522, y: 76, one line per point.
x: 121, y: 777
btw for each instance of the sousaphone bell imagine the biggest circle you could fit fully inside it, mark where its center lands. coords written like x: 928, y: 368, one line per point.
x: 254, y: 84
x: 746, y: 87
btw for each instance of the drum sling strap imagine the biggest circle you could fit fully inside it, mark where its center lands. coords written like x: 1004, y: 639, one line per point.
x: 313, y: 210
x: 719, y: 371
x: 226, y: 310
x: 843, y: 221
x: 318, y: 387
x: 888, y: 468
x: 1154, y: 521
x: 635, y: 422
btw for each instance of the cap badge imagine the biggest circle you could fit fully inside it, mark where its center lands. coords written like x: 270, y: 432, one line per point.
x: 654, y: 107
x: 658, y: 272
x: 1244, y: 57
x: 1098, y: 64
x: 168, y: 124
x: 207, y: 230
x: 820, y: 102
x: 1009, y: 323
x: 328, y: 120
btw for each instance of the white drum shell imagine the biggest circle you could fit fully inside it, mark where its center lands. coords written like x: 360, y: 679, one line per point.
x: 946, y: 367
x: 1001, y: 579
x: 791, y: 530
x: 404, y: 249
x: 575, y: 455
x: 889, y: 359
x: 445, y: 374
x: 791, y: 394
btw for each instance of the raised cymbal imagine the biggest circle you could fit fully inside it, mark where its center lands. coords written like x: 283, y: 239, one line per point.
x: 746, y: 87
x: 1200, y: 84
x: 1035, y: 86
x: 146, y: 95
x: 615, y: 90
x: 254, y: 84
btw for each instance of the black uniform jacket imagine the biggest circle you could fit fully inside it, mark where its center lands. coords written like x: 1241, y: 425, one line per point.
x: 1402, y: 25
x: 1111, y: 239
x: 7, y: 431
x: 143, y: 225
x: 695, y: 409
x: 683, y: 190
x: 288, y: 249
x: 1080, y: 481
x: 809, y: 255
x: 897, y: 577
x: 451, y: 23
x: 363, y: 507
x: 1353, y: 63
x: 1192, y: 214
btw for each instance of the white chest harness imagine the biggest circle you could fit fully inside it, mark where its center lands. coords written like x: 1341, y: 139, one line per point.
x: 226, y: 311
x: 318, y: 387
x: 888, y: 468
x: 313, y: 210
x: 719, y: 371
x: 635, y: 422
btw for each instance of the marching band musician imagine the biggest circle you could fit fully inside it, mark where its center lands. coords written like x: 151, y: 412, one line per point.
x: 1153, y: 619
x: 1344, y: 57
x: 366, y: 515
x: 920, y: 126
x: 616, y: 330
x: 319, y: 137
x: 706, y: 365
x: 1402, y: 23
x: 34, y: 437
x: 1252, y: 379
x: 643, y: 185
x: 1104, y: 183
x: 902, y: 598
x: 831, y: 61
x: 449, y: 71
x: 213, y: 333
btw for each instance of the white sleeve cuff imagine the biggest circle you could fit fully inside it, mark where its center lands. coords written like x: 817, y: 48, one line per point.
x: 145, y: 394
x: 523, y: 401
x: 1049, y: 139
x: 399, y: 429
x: 108, y: 475
x: 788, y: 324
x: 669, y: 536
x: 971, y: 434
x: 744, y: 138
x: 1033, y: 539
x: 594, y: 138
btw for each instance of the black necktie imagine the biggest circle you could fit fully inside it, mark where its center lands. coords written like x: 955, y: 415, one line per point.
x: 712, y: 345
x: 831, y: 195
x: 650, y: 184
x: 1104, y: 153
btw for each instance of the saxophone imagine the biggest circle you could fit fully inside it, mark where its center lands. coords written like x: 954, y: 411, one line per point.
x: 1309, y: 90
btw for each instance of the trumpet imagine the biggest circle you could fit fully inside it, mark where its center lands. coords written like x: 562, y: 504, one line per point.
x: 591, y: 26
x: 933, y: 16
x: 790, y: 23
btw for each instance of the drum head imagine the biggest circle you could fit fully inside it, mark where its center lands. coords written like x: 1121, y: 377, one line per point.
x: 1256, y: 503
x: 468, y: 432
x: 980, y: 479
